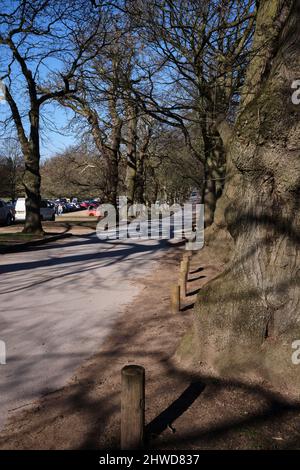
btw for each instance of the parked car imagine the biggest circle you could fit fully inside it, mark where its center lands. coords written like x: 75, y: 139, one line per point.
x: 87, y: 204
x: 7, y: 213
x: 84, y: 204
x: 94, y: 211
x: 47, y: 209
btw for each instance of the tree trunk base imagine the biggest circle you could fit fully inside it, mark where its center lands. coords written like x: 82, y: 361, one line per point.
x: 237, y: 343
x: 33, y: 231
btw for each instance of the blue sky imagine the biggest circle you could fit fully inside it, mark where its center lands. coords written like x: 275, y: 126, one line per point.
x: 46, y: 57
x: 53, y: 117
x: 53, y: 142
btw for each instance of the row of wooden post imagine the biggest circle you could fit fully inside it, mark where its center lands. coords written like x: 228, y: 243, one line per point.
x: 133, y: 378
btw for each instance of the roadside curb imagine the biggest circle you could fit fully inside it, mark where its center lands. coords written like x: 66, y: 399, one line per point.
x: 24, y: 246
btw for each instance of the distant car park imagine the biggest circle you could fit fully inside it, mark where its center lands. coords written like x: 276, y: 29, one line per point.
x: 65, y: 205
x: 47, y: 209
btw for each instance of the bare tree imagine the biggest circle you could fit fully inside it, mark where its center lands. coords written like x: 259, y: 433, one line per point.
x: 99, y: 102
x: 36, y: 37
x: 197, y: 55
x: 75, y: 172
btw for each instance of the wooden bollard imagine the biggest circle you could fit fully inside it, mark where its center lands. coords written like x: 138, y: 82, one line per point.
x: 175, y: 299
x: 187, y: 257
x: 132, y: 407
x: 183, y: 266
x: 182, y: 283
x: 184, y: 269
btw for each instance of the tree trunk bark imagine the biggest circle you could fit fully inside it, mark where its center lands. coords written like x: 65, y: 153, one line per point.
x: 141, y: 158
x: 209, y: 198
x: 32, y: 184
x: 214, y: 163
x: 140, y: 180
x: 248, y: 317
x: 31, y: 152
x: 113, y: 173
x: 130, y: 180
x: 32, y: 178
x: 109, y: 151
x: 113, y: 150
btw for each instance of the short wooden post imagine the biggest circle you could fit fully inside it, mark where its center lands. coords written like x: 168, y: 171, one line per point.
x: 182, y: 283
x: 184, y: 266
x: 132, y: 407
x: 175, y: 299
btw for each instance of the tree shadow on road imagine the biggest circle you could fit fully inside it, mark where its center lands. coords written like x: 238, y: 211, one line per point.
x: 183, y: 410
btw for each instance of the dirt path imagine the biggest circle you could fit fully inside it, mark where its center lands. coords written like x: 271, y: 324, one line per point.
x: 182, y: 411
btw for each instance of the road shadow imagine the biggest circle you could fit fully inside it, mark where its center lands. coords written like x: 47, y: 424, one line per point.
x: 112, y: 251
x: 227, y: 423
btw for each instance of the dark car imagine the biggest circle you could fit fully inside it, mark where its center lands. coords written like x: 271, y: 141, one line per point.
x: 7, y: 213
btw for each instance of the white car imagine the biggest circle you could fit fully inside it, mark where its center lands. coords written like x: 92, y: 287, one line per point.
x: 47, y: 209
x: 6, y: 213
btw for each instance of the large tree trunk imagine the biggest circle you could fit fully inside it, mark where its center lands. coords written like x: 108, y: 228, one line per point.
x: 32, y: 178
x: 31, y: 152
x: 248, y: 317
x: 113, y: 149
x: 141, y: 158
x: 140, y: 180
x: 113, y: 179
x: 110, y: 150
x: 32, y: 184
x: 214, y: 152
x: 209, y: 198
x: 130, y: 179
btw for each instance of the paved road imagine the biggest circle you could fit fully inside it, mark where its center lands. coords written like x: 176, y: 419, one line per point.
x: 57, y: 305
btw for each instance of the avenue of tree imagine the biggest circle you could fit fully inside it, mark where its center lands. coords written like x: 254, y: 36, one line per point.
x: 166, y: 96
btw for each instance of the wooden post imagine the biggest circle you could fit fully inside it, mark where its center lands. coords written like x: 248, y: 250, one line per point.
x: 182, y: 283
x: 175, y: 299
x: 187, y: 256
x: 132, y: 407
x: 184, y: 266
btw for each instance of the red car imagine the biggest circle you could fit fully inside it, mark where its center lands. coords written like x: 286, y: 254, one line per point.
x: 94, y: 211
x: 84, y: 205
x: 87, y: 204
